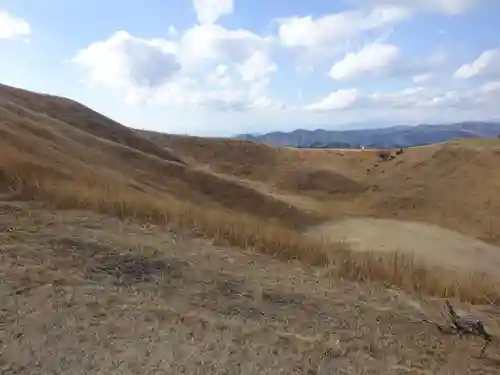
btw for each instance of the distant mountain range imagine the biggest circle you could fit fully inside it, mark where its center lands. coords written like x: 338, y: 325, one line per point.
x: 390, y: 137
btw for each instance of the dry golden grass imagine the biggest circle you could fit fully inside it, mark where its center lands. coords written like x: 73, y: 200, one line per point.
x: 223, y: 226
x: 87, y: 293
x: 72, y: 162
x: 248, y: 233
x: 401, y: 270
x: 303, y: 172
x: 452, y: 184
x: 31, y: 180
x: 234, y: 157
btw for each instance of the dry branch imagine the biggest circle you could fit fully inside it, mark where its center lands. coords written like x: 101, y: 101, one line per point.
x: 455, y: 324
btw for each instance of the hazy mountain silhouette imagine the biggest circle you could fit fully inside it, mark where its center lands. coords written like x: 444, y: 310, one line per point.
x: 394, y: 136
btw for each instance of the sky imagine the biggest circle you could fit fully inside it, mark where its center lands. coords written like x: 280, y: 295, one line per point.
x: 226, y: 67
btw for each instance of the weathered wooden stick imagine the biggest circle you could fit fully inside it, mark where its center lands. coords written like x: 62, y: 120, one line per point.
x: 466, y: 326
x: 455, y: 324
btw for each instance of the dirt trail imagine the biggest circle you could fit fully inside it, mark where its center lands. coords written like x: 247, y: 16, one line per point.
x: 428, y: 242
x: 82, y: 293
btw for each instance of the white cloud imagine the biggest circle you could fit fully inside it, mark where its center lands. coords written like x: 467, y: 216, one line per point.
x: 450, y: 6
x: 209, y: 11
x: 487, y: 94
x: 487, y: 64
x: 410, y: 99
x: 208, y: 66
x: 490, y: 87
x: 219, y: 77
x: 208, y: 43
x: 338, y: 100
x: 246, y: 52
x: 420, y: 78
x: 258, y: 99
x: 12, y: 27
x: 317, y: 34
x: 129, y: 64
x: 374, y: 58
x: 417, y: 97
x: 386, y: 60
x: 440, y: 6
x: 257, y: 67
x: 188, y: 93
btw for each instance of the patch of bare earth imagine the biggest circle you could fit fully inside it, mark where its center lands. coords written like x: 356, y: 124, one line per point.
x: 428, y: 242
x: 85, y: 293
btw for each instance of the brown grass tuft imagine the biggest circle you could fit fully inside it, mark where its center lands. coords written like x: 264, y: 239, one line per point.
x: 403, y: 271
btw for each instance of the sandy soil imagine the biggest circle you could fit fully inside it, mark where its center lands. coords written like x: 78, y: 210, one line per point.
x: 87, y: 294
x: 427, y: 242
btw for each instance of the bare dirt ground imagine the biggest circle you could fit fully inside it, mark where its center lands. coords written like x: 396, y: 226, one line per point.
x: 84, y: 293
x: 427, y: 242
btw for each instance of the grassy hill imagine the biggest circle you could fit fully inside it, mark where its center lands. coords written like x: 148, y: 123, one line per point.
x: 281, y: 169
x: 123, y: 251
x: 452, y: 184
x: 243, y: 193
x: 89, y: 161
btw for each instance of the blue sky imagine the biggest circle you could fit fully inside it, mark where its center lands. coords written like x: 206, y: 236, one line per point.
x: 223, y: 67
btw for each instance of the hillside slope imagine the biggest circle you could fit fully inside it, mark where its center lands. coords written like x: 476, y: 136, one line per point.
x: 303, y: 172
x: 59, y: 151
x: 49, y: 139
x: 455, y: 185
x: 37, y: 107
x: 128, y: 252
x: 235, y: 192
x: 452, y: 184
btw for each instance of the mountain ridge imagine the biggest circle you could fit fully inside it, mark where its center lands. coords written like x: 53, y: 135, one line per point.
x: 387, y: 137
